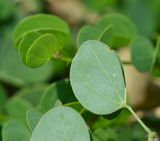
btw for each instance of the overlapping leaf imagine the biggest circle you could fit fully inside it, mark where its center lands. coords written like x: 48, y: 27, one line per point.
x: 33, y: 116
x: 115, y: 30
x: 37, y: 41
x: 15, y: 131
x: 56, y: 125
x: 97, y: 78
x: 60, y: 90
x: 142, y: 52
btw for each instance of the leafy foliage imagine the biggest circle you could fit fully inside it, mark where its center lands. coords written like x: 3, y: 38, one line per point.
x: 32, y: 34
x: 115, y: 30
x: 97, y: 108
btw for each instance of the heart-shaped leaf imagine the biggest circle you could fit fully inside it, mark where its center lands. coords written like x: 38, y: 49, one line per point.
x: 37, y: 41
x: 97, y: 78
x: 61, y: 124
x: 142, y: 52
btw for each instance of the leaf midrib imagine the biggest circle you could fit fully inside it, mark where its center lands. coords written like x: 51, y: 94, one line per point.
x: 106, y: 74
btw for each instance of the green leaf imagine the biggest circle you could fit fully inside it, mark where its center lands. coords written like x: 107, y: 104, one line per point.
x: 87, y: 33
x: 97, y: 78
x: 115, y: 30
x: 76, y: 105
x: 14, y: 72
x: 6, y: 9
x: 60, y: 90
x: 55, y: 125
x: 132, y: 132
x: 15, y: 131
x: 33, y: 117
x: 17, y: 108
x: 142, y: 52
x: 31, y: 94
x: 37, y: 41
x: 105, y: 135
x: 41, y: 51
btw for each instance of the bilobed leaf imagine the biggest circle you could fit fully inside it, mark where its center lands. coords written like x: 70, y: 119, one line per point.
x: 15, y: 131
x: 142, y: 52
x: 37, y: 41
x: 97, y: 78
x: 33, y: 116
x: 115, y: 30
x: 61, y: 124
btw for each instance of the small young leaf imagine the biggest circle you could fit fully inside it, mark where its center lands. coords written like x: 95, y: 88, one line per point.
x: 142, y: 52
x: 61, y: 124
x: 97, y: 78
x: 15, y: 131
x: 33, y: 117
x: 41, y: 51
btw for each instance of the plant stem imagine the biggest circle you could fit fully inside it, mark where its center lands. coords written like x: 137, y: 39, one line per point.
x: 151, y: 134
x: 57, y: 56
x: 127, y: 62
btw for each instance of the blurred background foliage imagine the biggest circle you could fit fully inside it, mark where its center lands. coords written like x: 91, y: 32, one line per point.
x: 23, y: 87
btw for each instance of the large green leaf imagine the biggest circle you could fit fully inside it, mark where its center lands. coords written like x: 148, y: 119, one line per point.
x: 38, y: 41
x: 115, y: 30
x: 97, y: 78
x: 142, y: 52
x: 61, y: 124
x: 15, y: 131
